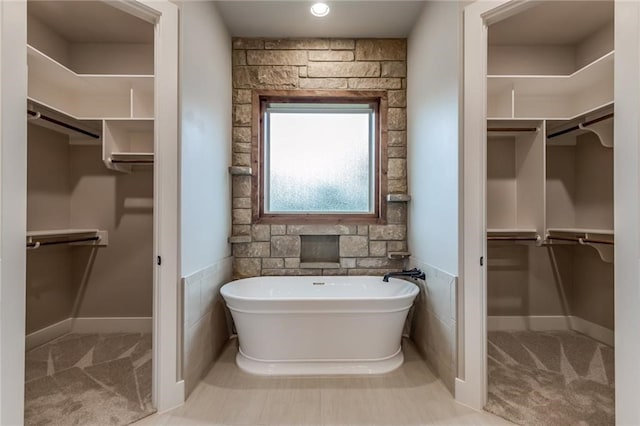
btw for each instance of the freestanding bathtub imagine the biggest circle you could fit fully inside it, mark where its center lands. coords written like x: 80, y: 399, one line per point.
x: 319, y: 325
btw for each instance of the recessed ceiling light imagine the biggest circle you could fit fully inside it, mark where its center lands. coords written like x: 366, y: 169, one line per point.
x: 320, y: 9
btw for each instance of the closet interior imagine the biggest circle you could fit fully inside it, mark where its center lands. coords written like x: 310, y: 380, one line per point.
x: 549, y: 217
x: 90, y: 220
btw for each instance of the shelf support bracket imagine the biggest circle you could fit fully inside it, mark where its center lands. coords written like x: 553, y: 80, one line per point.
x: 603, y: 130
x: 605, y: 251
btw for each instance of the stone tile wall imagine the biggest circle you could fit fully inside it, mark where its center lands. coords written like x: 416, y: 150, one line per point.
x: 319, y: 64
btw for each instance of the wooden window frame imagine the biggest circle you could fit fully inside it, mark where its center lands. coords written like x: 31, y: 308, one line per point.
x: 260, y: 99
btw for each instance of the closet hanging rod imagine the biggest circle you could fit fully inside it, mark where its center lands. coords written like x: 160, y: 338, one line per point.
x: 582, y: 240
x: 513, y: 129
x: 577, y: 127
x: 53, y: 243
x: 40, y: 116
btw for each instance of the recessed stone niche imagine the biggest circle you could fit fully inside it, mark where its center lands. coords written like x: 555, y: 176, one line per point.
x: 323, y: 249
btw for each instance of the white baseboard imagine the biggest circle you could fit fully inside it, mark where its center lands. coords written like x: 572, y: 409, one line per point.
x: 113, y: 325
x: 168, y: 399
x: 592, y: 330
x: 543, y: 323
x: 89, y: 325
x: 466, y: 394
x: 49, y: 333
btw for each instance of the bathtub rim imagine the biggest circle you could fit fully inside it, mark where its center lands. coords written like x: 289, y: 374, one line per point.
x: 413, y: 292
x: 320, y: 311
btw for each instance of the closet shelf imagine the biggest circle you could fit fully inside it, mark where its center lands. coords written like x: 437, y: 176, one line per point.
x: 499, y: 231
x: 582, y: 233
x: 53, y: 83
x: 60, y: 76
x: 515, y: 127
x: 79, y: 131
x: 132, y: 158
x: 552, y: 96
x: 128, y: 143
x: 96, y: 119
x: 554, y: 85
x: 83, y: 237
x: 513, y: 235
x: 549, y: 119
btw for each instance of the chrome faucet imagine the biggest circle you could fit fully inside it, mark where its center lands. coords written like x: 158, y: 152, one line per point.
x: 414, y: 273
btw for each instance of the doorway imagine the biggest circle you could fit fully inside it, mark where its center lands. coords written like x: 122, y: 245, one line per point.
x: 167, y: 385
x: 478, y: 21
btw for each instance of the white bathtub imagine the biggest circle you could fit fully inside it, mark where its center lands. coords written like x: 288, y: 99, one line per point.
x: 319, y: 325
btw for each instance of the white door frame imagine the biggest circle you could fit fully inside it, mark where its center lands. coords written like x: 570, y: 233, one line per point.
x: 471, y: 389
x: 168, y: 387
x: 626, y: 158
x: 13, y: 208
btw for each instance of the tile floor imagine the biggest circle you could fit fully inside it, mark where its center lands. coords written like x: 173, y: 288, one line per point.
x: 410, y: 395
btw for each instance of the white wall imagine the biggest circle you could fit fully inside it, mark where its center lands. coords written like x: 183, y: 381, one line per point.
x: 433, y: 77
x: 205, y: 77
x: 433, y: 106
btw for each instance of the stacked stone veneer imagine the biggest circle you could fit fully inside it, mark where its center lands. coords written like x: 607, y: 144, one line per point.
x: 318, y: 64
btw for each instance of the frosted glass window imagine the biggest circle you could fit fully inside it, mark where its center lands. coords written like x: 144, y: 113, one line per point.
x: 319, y: 158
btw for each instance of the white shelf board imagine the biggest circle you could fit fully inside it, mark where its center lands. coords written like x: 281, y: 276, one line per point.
x: 57, y: 74
x: 92, y: 126
x: 132, y: 156
x: 554, y: 85
x: 58, y: 110
x: 577, y: 231
x: 86, y: 118
x: 515, y: 124
x: 127, y: 119
x: 46, y: 236
x: 512, y: 234
x: 516, y: 119
x: 120, y: 118
x: 559, y: 119
x: 513, y: 231
x: 51, y: 233
x: 521, y: 121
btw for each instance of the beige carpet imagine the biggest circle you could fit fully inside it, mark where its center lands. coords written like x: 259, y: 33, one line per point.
x: 550, y: 378
x: 89, y: 379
